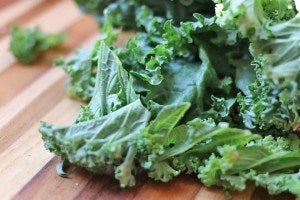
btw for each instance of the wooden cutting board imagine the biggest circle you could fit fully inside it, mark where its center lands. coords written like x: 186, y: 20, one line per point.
x: 29, y: 94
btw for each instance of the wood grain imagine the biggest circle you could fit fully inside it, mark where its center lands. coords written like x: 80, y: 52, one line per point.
x: 4, y: 3
x: 29, y: 94
x: 21, y: 12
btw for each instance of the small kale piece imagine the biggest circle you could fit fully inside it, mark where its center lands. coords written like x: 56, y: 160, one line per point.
x: 27, y: 44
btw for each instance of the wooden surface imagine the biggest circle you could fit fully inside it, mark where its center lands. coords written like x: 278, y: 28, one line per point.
x: 29, y: 94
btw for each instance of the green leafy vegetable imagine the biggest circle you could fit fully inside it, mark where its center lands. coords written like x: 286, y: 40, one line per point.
x: 273, y: 28
x: 82, y: 72
x: 122, y: 12
x: 181, y: 94
x: 261, y: 161
x: 59, y: 169
x: 27, y: 44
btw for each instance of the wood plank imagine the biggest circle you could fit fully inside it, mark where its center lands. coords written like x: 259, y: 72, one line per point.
x: 34, y: 155
x: 80, y: 185
x: 16, y: 11
x: 185, y: 186
x: 4, y: 3
x: 23, y: 111
x: 217, y: 193
x: 210, y: 193
x: 57, y: 18
x: 59, y: 188
x: 106, y: 187
x: 245, y: 195
x: 48, y: 22
x: 262, y: 194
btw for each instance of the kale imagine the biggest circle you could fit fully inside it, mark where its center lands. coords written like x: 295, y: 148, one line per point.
x: 28, y: 44
x: 180, y: 96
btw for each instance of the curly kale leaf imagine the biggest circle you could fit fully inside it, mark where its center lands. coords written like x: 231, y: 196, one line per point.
x: 268, y: 105
x: 220, y: 109
x: 264, y: 161
x: 100, y: 143
x: 273, y: 99
x: 184, y: 82
x: 121, y: 12
x: 273, y: 30
x: 105, y: 131
x: 178, y: 66
x: 280, y: 53
x: 168, y: 150
x: 146, y: 55
x: 81, y: 70
x: 154, y: 56
x: 197, y: 139
x: 152, y: 139
x: 277, y: 183
x: 251, y: 18
x: 28, y: 44
x: 113, y: 87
